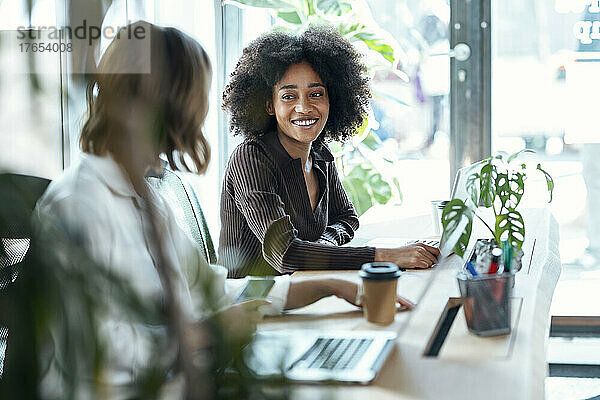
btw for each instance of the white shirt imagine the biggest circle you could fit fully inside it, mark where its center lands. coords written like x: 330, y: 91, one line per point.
x: 94, y: 201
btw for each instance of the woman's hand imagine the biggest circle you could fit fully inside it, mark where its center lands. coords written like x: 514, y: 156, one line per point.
x: 416, y: 255
x: 241, y: 317
x: 346, y: 290
x: 349, y: 291
x: 237, y: 321
x: 305, y: 292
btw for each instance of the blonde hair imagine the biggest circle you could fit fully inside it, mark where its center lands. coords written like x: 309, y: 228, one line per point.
x: 174, y: 92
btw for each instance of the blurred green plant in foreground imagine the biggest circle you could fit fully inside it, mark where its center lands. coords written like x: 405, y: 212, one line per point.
x: 53, y: 302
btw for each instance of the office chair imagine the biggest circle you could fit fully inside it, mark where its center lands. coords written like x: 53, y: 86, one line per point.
x: 183, y: 200
x: 18, y: 196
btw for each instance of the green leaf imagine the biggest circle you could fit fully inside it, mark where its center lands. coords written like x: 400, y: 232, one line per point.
x: 361, y: 132
x: 473, y: 188
x: 348, y: 29
x: 309, y: 8
x: 359, y: 197
x: 510, y: 226
x: 365, y: 187
x: 486, y: 186
x: 290, y: 17
x: 452, y: 215
x: 276, y: 5
x: 336, y: 147
x: 331, y: 7
x: 360, y: 171
x: 396, y: 183
x: 378, y: 44
x: 518, y: 153
x: 510, y: 190
x: 372, y: 141
x: 346, y: 6
x: 486, y: 160
x: 381, y: 190
x: 549, y: 181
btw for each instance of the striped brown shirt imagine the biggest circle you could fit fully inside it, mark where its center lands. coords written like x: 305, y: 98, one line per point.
x: 268, y: 226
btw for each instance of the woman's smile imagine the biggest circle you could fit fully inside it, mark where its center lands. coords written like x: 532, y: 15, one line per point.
x: 305, y: 123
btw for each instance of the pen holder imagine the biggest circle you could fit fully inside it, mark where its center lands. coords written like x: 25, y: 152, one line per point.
x: 481, y: 255
x: 486, y: 302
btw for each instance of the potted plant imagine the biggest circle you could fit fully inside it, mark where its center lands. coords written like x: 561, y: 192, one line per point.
x: 496, y: 183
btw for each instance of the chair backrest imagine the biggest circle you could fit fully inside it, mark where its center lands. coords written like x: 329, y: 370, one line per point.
x: 18, y: 196
x: 186, y: 207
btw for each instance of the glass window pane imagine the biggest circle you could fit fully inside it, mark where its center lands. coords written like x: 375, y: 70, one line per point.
x: 543, y: 99
x: 197, y: 19
x: 30, y: 112
x: 413, y: 113
x: 13, y: 13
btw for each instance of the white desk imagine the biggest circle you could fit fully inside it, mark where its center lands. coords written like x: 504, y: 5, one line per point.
x: 512, y: 367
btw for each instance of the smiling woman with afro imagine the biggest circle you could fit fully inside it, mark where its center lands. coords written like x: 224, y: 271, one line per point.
x: 265, y: 61
x: 283, y: 207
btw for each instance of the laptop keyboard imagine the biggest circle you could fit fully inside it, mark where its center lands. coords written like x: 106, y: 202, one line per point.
x: 432, y: 243
x: 334, y: 353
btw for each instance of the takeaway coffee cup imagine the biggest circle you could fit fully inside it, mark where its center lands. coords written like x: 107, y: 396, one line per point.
x: 379, y: 280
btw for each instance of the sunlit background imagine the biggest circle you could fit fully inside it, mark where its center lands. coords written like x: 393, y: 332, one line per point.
x: 542, y: 99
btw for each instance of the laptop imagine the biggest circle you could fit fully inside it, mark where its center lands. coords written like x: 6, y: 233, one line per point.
x: 445, y: 244
x: 319, y: 356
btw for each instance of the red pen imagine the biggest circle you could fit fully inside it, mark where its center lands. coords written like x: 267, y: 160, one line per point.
x: 496, y: 254
x: 496, y: 284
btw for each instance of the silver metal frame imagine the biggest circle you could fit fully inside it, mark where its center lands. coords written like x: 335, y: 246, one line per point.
x: 228, y: 37
x: 470, y: 83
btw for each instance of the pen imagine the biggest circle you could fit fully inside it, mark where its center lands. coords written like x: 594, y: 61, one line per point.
x: 471, y: 268
x: 496, y: 253
x: 508, y: 257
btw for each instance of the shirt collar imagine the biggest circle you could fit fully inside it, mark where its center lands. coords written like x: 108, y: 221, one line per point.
x: 319, y: 151
x: 110, y: 173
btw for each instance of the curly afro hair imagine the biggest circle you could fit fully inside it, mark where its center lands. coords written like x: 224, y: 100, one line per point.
x: 265, y: 61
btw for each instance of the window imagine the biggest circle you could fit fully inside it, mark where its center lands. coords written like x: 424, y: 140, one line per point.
x: 417, y: 132
x: 197, y: 19
x: 30, y: 93
x: 533, y: 45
